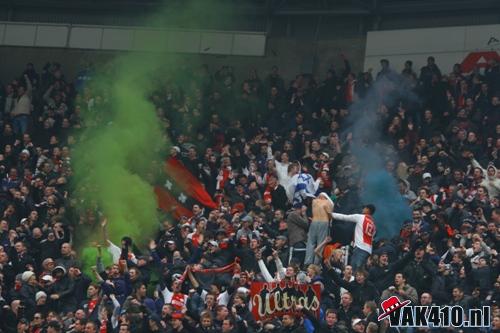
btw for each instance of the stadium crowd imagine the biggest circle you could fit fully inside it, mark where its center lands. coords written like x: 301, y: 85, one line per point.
x: 246, y: 139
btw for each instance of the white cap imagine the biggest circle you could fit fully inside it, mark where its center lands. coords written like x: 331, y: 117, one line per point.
x: 243, y: 290
x: 47, y: 278
x: 426, y: 175
x: 355, y: 322
x: 27, y: 275
x: 40, y: 294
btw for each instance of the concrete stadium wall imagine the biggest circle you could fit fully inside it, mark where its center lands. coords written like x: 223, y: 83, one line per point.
x: 449, y: 46
x: 291, y: 55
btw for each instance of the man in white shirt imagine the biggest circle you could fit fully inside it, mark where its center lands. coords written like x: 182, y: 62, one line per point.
x: 363, y: 234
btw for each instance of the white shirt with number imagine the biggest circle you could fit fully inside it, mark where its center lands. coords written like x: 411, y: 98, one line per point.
x: 364, y: 231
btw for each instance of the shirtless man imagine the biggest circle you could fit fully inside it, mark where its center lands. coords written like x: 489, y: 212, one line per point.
x: 322, y: 208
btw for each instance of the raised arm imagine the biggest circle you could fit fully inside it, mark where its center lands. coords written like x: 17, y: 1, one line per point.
x: 116, y: 311
x: 270, y: 155
x: 263, y: 269
x: 29, y: 86
x: 354, y: 218
x: 104, y: 226
x: 476, y: 164
x: 192, y: 279
x: 279, y: 266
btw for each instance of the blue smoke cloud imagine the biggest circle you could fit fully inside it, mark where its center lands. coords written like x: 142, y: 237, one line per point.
x: 378, y: 187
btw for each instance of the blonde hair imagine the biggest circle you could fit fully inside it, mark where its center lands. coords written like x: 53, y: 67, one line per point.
x: 315, y: 268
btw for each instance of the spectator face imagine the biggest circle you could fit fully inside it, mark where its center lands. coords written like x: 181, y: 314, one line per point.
x: 426, y: 299
x: 359, y: 328
x: 166, y: 310
x: 32, y: 281
x: 423, y: 194
x: 42, y: 300
x: 481, y: 192
x: 428, y: 115
x: 457, y: 294
x: 496, y: 323
x: 176, y: 323
x: 348, y: 271
x: 66, y: 249
x: 222, y: 313
x: 399, y: 280
x: 37, y: 320
x: 289, y: 272
x: 196, y: 209
x: 254, y: 244
x: 20, y: 248
x: 141, y: 292
x: 79, y: 327
x: 360, y: 278
x: 124, y: 329
x: 51, y: 316
x: 346, y: 300
x: 279, y: 243
x: 331, y: 319
x: 482, y: 262
x: 366, y: 310
x: 133, y: 274
x: 288, y: 320
x: 4, y: 258
x: 23, y: 327
x: 176, y: 286
x: 226, y: 326
x: 210, y: 300
x: 491, y: 172
x: 92, y: 291
x: 206, y: 321
x: 419, y: 254
x: 90, y: 328
x: 115, y: 271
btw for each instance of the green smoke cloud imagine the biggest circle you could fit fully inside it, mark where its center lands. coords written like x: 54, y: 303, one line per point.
x: 112, y: 159
x: 122, y: 144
